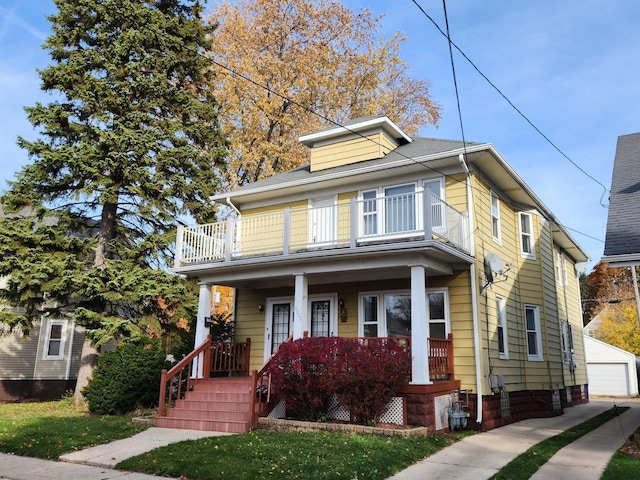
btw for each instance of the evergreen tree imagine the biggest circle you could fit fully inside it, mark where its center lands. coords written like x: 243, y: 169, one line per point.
x: 128, y: 148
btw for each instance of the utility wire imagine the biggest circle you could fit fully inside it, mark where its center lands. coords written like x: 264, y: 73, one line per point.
x: 451, y: 43
x: 323, y: 117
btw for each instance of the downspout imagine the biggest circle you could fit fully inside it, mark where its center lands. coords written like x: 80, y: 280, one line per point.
x: 233, y: 207
x: 474, y: 304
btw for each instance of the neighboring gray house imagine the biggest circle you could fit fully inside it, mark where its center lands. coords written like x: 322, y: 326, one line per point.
x: 622, y: 243
x: 42, y: 366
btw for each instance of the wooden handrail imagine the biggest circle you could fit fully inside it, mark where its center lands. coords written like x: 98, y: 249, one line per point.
x: 193, y: 365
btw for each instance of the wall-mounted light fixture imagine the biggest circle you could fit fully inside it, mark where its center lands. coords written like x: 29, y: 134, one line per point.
x: 343, y: 311
x: 261, y: 308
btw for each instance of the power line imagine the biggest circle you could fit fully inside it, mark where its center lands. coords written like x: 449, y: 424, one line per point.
x: 451, y: 43
x: 323, y: 117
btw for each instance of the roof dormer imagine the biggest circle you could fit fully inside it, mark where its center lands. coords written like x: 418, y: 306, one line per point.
x: 364, y: 138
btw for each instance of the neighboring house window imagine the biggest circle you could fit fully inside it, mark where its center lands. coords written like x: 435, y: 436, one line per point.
x: 54, y: 340
x: 526, y: 236
x: 495, y: 218
x: 501, y: 310
x: 565, y: 277
x: 388, y: 314
x: 534, y: 334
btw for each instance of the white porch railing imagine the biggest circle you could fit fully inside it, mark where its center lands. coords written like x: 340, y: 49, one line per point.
x: 408, y: 216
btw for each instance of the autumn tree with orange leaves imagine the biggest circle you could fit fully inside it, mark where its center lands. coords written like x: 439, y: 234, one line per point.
x: 278, y: 62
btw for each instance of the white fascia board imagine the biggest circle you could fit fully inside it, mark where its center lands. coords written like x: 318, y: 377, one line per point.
x: 312, y: 138
x: 623, y: 260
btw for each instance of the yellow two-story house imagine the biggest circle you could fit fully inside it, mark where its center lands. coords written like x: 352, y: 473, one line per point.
x: 432, y: 241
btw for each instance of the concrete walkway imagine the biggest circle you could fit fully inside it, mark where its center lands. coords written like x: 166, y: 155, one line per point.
x: 474, y: 458
x: 93, y: 463
x: 481, y: 456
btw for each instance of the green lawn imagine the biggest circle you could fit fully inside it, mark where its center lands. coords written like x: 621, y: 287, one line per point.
x: 49, y: 429
x: 308, y: 455
x: 624, y: 466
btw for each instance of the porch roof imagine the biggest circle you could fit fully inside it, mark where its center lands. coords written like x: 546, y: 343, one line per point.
x: 380, y: 262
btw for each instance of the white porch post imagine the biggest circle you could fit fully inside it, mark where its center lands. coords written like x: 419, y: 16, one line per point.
x: 300, y: 299
x: 419, y: 327
x: 204, y: 310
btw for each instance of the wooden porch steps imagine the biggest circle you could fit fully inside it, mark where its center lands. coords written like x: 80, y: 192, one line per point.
x: 217, y: 404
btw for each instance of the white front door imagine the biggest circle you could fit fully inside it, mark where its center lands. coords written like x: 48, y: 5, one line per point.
x: 322, y: 221
x: 323, y: 315
x: 277, y: 324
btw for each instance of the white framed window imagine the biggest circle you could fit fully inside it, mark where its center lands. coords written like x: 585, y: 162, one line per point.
x: 526, y: 236
x: 533, y: 332
x: 495, y: 218
x: 323, y: 315
x: 565, y: 277
x: 323, y: 225
x: 501, y: 313
x: 388, y: 314
x: 567, y: 341
x: 54, y: 340
x: 558, y: 265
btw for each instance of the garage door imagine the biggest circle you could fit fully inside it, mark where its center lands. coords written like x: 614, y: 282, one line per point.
x: 608, y: 378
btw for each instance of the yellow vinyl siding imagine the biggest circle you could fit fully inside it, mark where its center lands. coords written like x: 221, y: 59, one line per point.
x: 375, y: 145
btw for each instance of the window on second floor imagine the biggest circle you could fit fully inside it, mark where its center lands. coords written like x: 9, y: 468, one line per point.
x: 495, y: 218
x: 526, y: 236
x: 533, y: 331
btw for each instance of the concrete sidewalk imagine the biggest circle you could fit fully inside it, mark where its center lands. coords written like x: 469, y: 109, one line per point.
x: 481, y: 456
x: 93, y: 463
x: 587, y: 457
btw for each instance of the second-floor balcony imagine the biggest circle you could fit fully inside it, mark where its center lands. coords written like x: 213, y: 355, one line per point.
x: 351, y: 223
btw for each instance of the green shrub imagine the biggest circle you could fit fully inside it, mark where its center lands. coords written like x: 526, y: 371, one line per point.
x: 126, y: 378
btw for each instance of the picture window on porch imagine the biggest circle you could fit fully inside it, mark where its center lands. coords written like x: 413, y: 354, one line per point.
x: 388, y: 314
x: 54, y: 340
x: 534, y: 334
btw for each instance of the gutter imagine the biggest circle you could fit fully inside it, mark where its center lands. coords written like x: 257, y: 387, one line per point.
x: 474, y: 303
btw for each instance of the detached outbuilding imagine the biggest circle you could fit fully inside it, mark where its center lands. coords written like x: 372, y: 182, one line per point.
x: 611, y: 370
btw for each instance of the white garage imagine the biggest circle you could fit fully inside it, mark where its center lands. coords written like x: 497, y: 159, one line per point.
x: 611, y: 370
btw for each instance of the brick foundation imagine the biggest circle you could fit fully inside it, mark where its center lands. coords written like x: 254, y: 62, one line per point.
x: 20, y: 390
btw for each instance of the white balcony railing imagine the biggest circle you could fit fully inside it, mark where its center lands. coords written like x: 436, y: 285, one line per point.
x: 395, y: 218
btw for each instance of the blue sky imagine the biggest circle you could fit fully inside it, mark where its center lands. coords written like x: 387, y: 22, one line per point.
x: 572, y: 67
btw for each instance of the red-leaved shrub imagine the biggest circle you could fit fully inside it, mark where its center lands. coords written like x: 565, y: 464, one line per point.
x: 363, y: 374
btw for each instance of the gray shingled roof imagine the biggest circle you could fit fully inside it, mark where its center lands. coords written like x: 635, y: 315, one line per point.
x: 418, y: 148
x: 623, y: 222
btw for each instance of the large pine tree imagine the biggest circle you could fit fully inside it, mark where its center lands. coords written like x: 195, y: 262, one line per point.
x: 127, y: 149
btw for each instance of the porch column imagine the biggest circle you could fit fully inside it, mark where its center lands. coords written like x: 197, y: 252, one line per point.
x: 419, y: 327
x: 204, y: 310
x: 300, y: 300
